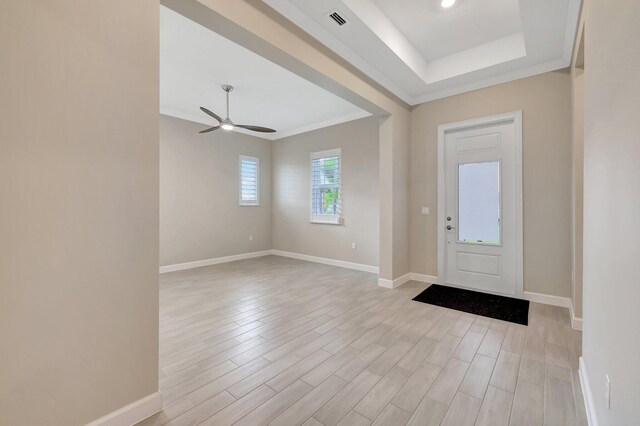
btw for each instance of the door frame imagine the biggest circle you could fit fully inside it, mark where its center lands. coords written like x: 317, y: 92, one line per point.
x: 516, y: 118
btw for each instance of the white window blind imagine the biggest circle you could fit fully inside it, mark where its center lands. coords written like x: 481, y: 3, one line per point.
x: 326, y: 189
x: 249, y: 181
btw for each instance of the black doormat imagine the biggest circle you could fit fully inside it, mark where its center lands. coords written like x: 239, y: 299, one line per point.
x: 474, y: 302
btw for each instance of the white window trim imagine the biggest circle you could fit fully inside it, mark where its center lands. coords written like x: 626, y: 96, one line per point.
x: 240, y: 201
x: 325, y: 219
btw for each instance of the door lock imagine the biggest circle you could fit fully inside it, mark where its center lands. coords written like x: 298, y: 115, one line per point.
x: 449, y: 227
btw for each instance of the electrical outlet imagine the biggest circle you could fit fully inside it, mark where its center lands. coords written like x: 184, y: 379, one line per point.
x: 353, y: 245
x: 607, y: 391
x: 425, y: 210
x: 250, y: 237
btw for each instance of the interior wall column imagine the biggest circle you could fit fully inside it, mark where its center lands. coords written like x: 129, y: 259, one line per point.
x: 394, y: 198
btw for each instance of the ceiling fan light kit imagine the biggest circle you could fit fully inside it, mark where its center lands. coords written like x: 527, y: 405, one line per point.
x: 227, y: 124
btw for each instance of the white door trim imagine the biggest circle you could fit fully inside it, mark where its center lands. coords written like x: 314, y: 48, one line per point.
x: 516, y: 118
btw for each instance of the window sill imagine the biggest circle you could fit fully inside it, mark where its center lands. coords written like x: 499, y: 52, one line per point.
x: 327, y: 222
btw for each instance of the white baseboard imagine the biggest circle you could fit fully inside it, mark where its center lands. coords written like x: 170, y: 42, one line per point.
x: 326, y: 261
x: 589, y: 406
x: 242, y: 256
x: 215, y: 261
x: 424, y: 278
x: 394, y: 283
x: 133, y: 413
x: 547, y: 299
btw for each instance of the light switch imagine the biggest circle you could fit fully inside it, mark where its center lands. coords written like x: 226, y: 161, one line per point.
x: 425, y: 210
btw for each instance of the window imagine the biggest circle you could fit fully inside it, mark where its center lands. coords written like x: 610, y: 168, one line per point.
x: 479, y: 203
x: 249, y: 182
x: 326, y: 196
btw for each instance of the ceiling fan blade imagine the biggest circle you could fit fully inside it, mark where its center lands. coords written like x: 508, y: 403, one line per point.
x: 209, y: 130
x: 214, y: 115
x: 256, y: 128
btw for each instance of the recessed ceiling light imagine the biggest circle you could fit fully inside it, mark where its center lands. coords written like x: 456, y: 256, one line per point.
x: 447, y: 3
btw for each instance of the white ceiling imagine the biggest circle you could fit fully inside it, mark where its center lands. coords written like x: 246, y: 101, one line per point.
x: 195, y: 62
x: 436, y: 32
x: 420, y: 51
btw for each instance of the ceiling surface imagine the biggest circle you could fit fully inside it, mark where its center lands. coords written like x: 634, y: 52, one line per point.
x: 195, y: 62
x: 421, y: 51
x: 436, y: 32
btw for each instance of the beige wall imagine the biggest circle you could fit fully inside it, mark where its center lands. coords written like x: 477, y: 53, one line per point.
x: 292, y: 230
x: 394, y: 206
x: 200, y: 217
x: 79, y: 214
x: 577, y: 99
x: 611, y: 343
x: 546, y: 104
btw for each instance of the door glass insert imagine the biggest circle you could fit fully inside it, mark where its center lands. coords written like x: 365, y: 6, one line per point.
x: 479, y: 203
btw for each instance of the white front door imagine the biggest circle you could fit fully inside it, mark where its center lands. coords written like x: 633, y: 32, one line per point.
x: 481, y: 223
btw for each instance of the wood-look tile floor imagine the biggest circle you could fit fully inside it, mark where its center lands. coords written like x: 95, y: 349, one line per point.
x: 284, y: 342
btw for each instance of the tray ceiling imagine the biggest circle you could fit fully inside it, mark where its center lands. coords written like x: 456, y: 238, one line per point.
x: 421, y: 51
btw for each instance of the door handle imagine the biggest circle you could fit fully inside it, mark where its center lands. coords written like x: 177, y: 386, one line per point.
x: 449, y: 227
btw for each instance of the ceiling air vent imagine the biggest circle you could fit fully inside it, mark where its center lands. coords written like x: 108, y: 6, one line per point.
x: 337, y: 18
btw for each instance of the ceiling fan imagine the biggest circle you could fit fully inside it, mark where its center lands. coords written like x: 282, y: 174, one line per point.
x: 227, y: 124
